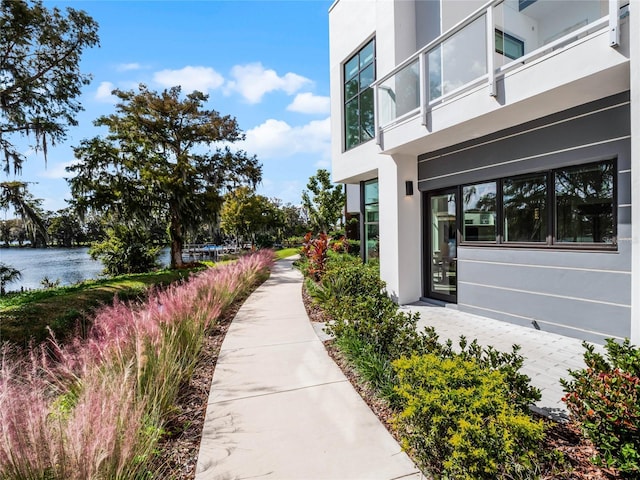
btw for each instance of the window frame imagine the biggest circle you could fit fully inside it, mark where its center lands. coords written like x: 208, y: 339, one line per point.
x: 510, y: 37
x: 357, y: 97
x: 551, y: 241
x: 364, y: 232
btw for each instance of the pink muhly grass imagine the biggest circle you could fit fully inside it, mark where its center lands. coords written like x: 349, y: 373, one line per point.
x: 95, y: 410
x: 25, y: 438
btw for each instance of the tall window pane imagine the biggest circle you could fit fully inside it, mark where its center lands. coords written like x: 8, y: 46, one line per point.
x: 525, y: 208
x: 584, y: 203
x: 371, y: 220
x: 359, y: 73
x: 479, y: 212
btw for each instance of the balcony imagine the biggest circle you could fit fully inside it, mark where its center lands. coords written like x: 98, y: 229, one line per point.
x: 494, y: 59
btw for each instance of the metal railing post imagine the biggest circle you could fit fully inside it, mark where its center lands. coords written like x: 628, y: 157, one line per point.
x: 424, y: 80
x: 376, y: 114
x: 491, y: 48
x: 614, y: 24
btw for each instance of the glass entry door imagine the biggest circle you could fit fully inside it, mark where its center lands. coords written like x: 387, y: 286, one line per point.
x: 442, y: 228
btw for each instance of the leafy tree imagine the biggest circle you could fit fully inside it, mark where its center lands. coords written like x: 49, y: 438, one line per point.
x: 165, y: 157
x: 40, y: 76
x: 15, y: 194
x: 65, y: 228
x: 323, y: 201
x: 245, y: 215
x: 8, y: 274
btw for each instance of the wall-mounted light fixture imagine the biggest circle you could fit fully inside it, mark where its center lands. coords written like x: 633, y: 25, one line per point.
x: 408, y: 188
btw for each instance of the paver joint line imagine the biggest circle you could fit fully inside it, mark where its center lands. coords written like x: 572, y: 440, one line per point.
x: 267, y: 345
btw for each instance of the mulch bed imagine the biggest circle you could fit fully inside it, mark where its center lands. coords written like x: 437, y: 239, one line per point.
x: 178, y: 451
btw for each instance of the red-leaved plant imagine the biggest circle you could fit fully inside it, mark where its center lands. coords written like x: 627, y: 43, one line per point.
x: 604, y: 398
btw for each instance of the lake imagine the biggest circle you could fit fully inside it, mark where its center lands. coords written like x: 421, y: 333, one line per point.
x: 69, y: 265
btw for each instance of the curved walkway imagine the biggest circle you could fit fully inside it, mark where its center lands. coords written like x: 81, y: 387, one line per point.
x: 280, y: 408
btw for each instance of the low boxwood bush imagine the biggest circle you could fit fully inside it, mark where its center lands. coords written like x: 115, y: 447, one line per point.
x: 458, y: 421
x: 605, y: 400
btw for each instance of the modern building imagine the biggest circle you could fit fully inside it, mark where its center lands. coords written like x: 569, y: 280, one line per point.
x: 495, y: 147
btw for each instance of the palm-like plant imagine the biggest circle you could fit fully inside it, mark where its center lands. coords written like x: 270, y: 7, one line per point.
x: 15, y: 194
x: 8, y: 274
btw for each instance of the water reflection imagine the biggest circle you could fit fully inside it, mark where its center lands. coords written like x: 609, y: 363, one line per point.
x: 69, y: 265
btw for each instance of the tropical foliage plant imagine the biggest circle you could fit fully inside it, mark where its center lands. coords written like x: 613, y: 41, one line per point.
x: 604, y: 398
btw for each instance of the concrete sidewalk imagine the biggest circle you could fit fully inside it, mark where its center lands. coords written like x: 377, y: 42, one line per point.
x: 279, y: 407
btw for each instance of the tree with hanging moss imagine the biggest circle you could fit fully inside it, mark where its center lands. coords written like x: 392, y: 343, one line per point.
x: 40, y: 77
x: 165, y: 158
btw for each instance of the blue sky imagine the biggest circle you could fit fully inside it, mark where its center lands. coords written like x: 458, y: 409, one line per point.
x: 264, y: 62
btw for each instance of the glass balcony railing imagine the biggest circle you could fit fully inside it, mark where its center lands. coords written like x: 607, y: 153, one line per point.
x: 498, y: 37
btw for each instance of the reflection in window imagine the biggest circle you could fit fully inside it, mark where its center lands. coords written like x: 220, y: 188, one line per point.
x: 479, y: 212
x: 584, y: 203
x: 525, y: 208
x: 371, y: 220
x: 359, y: 74
x: 508, y: 45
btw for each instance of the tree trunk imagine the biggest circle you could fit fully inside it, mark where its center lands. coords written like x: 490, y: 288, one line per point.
x: 177, y: 240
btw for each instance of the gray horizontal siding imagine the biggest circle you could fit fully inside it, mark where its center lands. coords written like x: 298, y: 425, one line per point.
x: 584, y: 294
x: 590, y: 286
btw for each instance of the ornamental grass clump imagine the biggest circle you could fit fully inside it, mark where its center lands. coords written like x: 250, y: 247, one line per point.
x: 96, y: 407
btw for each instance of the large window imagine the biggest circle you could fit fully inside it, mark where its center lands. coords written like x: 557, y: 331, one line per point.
x: 584, y: 204
x: 371, y: 220
x: 359, y: 74
x: 525, y: 208
x: 583, y: 211
x: 479, y: 212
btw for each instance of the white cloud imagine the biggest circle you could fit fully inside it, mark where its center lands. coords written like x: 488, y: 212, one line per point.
x: 190, y: 79
x: 57, y: 171
x: 126, y: 67
x: 289, y: 191
x: 309, y: 103
x: 277, y: 139
x: 103, y: 93
x: 253, y: 81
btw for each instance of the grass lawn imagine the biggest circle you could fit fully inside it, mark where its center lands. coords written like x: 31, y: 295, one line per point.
x: 287, y: 252
x: 25, y: 316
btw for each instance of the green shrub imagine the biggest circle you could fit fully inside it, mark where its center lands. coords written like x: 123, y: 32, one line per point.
x: 374, y: 367
x: 458, y: 421
x: 126, y: 250
x: 605, y: 399
x: 521, y: 393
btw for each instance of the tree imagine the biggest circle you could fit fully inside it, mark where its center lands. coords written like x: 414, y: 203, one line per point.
x: 40, y: 77
x: 326, y: 202
x: 8, y: 274
x: 65, y: 228
x: 245, y: 215
x: 164, y: 156
x: 15, y: 194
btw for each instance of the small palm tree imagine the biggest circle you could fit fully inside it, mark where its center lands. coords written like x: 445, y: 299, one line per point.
x: 8, y: 274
